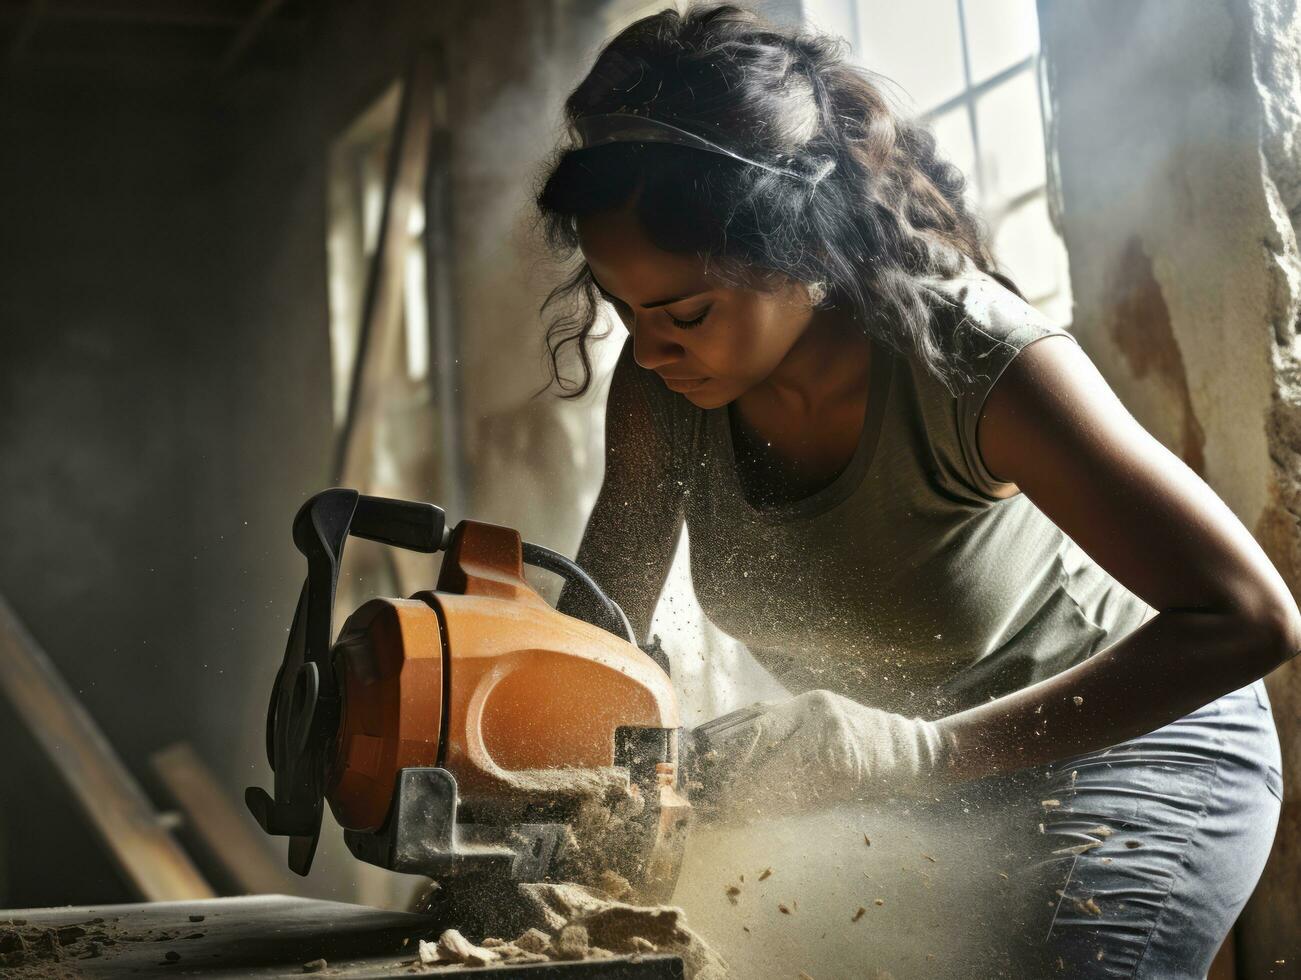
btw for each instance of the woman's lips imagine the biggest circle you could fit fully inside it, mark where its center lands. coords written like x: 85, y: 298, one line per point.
x: 683, y: 385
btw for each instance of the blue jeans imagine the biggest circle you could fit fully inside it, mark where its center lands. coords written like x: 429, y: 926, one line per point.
x: 1152, y: 848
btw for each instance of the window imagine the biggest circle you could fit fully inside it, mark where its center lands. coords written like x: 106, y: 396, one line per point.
x: 398, y: 443
x: 972, y: 71
x: 358, y: 166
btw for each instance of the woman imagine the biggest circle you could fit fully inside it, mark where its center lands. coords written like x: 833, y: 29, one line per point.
x: 948, y: 536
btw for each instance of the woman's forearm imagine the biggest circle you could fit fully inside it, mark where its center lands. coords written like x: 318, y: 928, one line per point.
x: 1168, y: 667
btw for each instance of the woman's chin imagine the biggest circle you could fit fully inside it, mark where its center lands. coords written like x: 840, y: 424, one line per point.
x: 708, y: 397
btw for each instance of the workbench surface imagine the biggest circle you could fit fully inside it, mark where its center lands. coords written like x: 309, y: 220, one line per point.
x: 259, y: 936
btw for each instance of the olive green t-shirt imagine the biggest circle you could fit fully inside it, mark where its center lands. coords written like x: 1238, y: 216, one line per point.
x: 911, y: 582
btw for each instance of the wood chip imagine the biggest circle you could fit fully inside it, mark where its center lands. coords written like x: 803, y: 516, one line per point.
x: 783, y: 909
x: 534, y: 941
x: 614, y: 885
x: 859, y: 914
x: 573, y: 943
x: 880, y: 901
x: 1101, y: 830
x: 1088, y: 906
x: 1049, y: 804
x: 452, y: 947
x: 1003, y: 875
x: 867, y: 840
x: 428, y: 953
x: 929, y: 858
x: 766, y: 874
x: 804, y: 976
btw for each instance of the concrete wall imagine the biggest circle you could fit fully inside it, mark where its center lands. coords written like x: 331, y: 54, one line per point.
x: 1174, y: 130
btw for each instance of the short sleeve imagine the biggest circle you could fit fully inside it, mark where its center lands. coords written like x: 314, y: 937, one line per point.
x: 992, y: 325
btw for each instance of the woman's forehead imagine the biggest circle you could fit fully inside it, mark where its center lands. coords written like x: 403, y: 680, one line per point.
x: 629, y: 265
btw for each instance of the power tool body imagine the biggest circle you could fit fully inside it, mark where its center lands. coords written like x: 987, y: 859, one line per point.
x: 458, y: 733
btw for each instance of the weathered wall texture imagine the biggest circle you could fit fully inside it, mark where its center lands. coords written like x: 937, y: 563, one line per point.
x: 165, y: 384
x: 1179, y: 180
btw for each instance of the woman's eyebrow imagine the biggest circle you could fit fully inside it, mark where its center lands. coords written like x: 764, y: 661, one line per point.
x: 646, y: 306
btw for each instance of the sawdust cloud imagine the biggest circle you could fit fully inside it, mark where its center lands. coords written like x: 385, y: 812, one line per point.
x: 900, y: 890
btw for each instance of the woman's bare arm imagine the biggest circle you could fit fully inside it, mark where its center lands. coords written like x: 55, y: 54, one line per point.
x: 628, y: 544
x: 1053, y: 426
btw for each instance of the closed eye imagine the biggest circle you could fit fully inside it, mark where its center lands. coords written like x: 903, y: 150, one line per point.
x: 688, y: 324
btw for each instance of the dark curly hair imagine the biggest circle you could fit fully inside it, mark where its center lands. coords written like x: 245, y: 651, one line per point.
x: 889, y: 212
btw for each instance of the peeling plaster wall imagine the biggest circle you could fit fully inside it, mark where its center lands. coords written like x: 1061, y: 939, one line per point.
x: 1179, y: 166
x: 1164, y: 215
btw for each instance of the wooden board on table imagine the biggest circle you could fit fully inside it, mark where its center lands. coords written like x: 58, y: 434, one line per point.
x: 265, y: 936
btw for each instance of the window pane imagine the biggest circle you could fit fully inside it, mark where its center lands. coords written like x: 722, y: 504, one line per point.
x: 999, y: 34
x: 916, y: 45
x: 1011, y: 139
x: 1027, y: 249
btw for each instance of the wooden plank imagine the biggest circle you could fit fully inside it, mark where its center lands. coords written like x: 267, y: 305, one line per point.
x: 408, y: 164
x: 113, y: 803
x: 272, y: 936
x: 227, y: 831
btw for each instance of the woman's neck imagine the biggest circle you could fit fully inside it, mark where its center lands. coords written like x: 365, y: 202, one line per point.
x: 831, y: 358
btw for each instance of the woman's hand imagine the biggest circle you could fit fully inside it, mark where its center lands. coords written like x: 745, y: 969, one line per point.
x: 815, y: 749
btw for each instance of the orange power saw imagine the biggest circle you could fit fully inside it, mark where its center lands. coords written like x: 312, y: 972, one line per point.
x: 429, y: 724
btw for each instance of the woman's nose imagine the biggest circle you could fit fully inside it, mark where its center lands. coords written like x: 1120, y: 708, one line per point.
x: 652, y: 347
